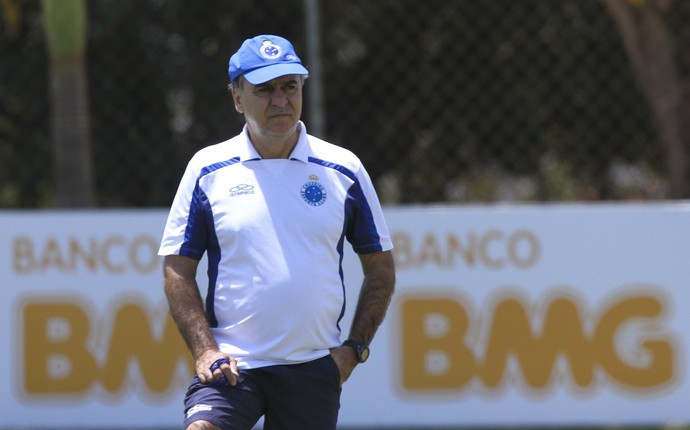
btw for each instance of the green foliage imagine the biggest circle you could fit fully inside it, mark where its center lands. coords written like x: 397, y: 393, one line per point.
x: 65, y: 26
x: 463, y: 100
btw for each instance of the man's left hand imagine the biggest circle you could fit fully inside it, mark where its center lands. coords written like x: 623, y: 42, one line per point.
x: 346, y: 359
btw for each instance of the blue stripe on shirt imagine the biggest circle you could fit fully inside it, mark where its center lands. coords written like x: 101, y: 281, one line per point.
x: 200, y: 235
x: 360, y: 227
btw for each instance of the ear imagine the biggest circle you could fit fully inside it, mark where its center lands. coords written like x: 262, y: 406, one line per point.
x: 237, y: 99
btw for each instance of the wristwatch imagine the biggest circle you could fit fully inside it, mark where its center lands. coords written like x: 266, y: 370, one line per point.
x: 361, y: 349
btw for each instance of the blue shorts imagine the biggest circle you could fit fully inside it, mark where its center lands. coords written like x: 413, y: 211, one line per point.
x: 296, y: 396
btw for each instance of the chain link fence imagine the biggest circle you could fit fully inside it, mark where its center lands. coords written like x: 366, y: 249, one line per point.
x: 444, y: 100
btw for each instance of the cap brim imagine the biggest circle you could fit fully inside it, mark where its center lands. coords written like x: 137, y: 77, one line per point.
x: 268, y: 73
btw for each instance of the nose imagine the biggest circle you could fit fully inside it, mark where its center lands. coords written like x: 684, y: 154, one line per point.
x: 279, y: 97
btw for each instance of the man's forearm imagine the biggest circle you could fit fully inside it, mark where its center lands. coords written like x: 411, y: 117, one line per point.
x: 187, y: 310
x: 375, y: 296
x: 188, y: 314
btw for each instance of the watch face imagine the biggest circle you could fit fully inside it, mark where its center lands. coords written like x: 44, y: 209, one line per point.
x: 363, y: 354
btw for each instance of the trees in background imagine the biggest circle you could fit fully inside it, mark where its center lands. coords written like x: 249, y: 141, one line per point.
x: 65, y: 27
x: 654, y: 48
x: 454, y: 101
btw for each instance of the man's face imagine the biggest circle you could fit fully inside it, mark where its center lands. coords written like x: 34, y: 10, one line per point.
x: 272, y: 108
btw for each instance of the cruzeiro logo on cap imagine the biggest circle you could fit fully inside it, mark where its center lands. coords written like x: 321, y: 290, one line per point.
x: 313, y: 192
x: 270, y: 51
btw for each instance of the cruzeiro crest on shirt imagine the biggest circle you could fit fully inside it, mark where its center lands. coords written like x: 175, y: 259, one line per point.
x: 312, y: 192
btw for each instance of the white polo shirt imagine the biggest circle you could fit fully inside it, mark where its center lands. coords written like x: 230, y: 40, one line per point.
x: 274, y: 231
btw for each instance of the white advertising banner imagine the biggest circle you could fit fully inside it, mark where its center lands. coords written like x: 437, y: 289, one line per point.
x: 503, y: 315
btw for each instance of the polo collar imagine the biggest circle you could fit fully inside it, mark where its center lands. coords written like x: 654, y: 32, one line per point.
x: 299, y: 153
x: 301, y: 150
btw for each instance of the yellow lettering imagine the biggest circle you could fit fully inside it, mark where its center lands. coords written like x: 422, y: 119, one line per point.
x: 78, y: 253
x: 56, y: 359
x: 23, y: 255
x: 512, y: 335
x: 140, y: 248
x: 486, y: 238
x: 51, y: 256
x: 437, y: 354
x: 404, y: 257
x: 59, y: 355
x: 132, y: 340
x: 114, y: 254
x: 430, y: 251
x: 466, y: 252
x: 106, y: 254
x: 433, y: 351
x: 655, y: 365
x: 493, y: 249
x: 526, y: 242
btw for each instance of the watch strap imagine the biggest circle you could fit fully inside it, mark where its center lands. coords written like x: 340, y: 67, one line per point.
x: 361, y: 349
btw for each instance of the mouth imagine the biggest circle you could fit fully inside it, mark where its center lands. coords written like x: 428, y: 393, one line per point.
x: 280, y: 115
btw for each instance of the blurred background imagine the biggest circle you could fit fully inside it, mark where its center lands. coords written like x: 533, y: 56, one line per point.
x: 103, y: 102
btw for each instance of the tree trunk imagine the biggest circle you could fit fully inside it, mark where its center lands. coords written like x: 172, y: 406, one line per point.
x: 70, y: 135
x: 65, y: 25
x: 650, y: 48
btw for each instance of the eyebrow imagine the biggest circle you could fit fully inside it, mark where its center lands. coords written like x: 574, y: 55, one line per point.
x: 270, y: 83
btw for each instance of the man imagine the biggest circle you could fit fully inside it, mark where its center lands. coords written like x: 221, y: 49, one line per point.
x: 272, y: 208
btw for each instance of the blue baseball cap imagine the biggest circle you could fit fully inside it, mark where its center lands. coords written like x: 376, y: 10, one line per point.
x: 264, y: 58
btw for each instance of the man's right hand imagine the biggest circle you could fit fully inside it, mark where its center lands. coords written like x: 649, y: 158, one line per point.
x: 223, y: 366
